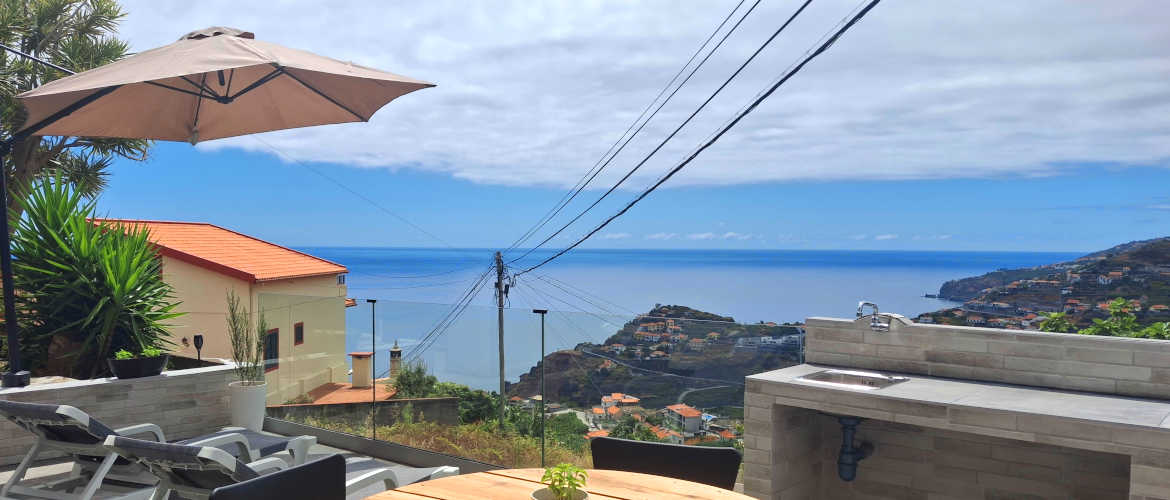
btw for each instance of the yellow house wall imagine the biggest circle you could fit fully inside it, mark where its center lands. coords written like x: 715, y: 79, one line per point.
x: 203, y: 297
x: 319, y: 302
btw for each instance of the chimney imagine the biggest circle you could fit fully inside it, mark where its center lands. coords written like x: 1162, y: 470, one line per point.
x: 362, y: 369
x: 395, y: 360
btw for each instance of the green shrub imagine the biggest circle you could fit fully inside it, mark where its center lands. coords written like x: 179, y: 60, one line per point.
x: 151, y: 352
x: 95, y: 289
x: 123, y: 354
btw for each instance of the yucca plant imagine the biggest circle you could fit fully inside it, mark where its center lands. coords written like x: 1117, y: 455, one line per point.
x: 96, y: 287
x: 247, y: 342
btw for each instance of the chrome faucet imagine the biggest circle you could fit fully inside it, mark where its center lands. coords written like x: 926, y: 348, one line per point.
x: 875, y: 323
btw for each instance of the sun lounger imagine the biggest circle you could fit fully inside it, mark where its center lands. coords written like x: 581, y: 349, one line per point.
x: 195, y: 471
x: 68, y: 430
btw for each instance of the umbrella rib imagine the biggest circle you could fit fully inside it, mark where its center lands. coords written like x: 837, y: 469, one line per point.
x: 264, y: 79
x: 201, y: 86
x: 322, y: 94
x: 177, y: 89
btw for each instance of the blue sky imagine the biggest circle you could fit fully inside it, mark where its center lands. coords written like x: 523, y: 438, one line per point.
x: 1038, y: 125
x: 1089, y: 208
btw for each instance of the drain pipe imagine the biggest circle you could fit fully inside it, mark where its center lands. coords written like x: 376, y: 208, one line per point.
x: 850, y: 455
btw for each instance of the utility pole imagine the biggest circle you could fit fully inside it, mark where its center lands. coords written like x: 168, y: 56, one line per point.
x: 501, y: 294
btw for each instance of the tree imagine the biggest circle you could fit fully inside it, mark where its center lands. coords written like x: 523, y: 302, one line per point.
x: 1120, y: 323
x: 75, y: 34
x: 414, y: 381
x: 1056, y: 322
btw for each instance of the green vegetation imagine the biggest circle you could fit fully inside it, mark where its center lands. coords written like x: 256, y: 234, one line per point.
x: 1123, y: 323
x: 76, y: 34
x: 474, y: 405
x: 1056, y: 322
x: 87, y: 289
x: 148, y: 352
x: 564, y: 480
x: 123, y: 354
x: 247, y: 342
x: 629, y: 428
x: 481, y: 441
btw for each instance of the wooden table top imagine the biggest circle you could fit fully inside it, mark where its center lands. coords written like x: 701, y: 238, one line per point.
x: 512, y: 484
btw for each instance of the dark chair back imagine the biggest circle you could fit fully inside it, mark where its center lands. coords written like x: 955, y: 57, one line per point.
x: 320, y: 479
x: 715, y: 466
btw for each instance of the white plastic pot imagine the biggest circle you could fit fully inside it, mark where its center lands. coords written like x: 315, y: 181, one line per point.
x: 248, y: 404
x: 547, y: 494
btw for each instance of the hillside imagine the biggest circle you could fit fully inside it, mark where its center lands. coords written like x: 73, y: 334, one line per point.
x: 1138, y: 271
x: 654, y: 358
x: 1144, y: 252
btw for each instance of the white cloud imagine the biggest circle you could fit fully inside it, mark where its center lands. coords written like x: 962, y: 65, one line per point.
x: 944, y: 236
x: 701, y: 236
x: 532, y: 93
x: 615, y: 236
x: 732, y: 235
x: 883, y: 237
x: 859, y: 237
x: 662, y: 236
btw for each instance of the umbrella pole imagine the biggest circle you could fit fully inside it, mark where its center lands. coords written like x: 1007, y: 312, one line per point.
x: 16, y: 376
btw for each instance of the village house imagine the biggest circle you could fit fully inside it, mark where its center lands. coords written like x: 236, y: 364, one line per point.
x: 618, y: 399
x: 696, y: 345
x: 666, y: 435
x: 684, y: 417
x: 301, y: 296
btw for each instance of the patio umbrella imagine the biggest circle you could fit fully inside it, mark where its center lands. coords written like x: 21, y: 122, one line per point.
x: 210, y: 84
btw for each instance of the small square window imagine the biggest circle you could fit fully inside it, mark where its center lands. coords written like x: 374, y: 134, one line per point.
x: 299, y: 333
x: 272, y: 350
x: 340, y: 279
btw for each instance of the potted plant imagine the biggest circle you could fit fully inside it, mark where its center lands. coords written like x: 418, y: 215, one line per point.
x: 148, y: 363
x: 564, y: 483
x: 248, y: 394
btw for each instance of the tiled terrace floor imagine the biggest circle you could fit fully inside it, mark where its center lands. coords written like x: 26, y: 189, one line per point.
x: 55, y: 469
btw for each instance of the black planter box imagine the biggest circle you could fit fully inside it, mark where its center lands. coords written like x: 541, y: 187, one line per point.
x: 138, y: 367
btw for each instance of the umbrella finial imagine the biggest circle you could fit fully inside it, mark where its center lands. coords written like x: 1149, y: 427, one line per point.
x: 217, y: 31
x: 194, y: 137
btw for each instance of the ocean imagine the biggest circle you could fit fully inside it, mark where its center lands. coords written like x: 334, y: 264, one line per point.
x: 591, y: 293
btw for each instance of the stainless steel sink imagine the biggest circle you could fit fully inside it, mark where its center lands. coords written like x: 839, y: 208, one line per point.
x: 853, y: 379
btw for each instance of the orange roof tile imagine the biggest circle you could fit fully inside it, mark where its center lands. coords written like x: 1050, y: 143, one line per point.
x: 685, y: 410
x: 597, y: 433
x: 726, y: 434
x: 613, y: 410
x: 598, y: 411
x: 228, y: 252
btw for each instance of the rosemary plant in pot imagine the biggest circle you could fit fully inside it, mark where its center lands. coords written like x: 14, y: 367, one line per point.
x: 248, y: 394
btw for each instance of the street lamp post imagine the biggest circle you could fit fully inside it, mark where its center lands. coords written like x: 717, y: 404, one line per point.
x: 541, y: 312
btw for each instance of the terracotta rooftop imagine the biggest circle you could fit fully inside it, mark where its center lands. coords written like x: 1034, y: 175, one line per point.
x: 228, y: 252
x: 685, y: 410
x: 597, y: 433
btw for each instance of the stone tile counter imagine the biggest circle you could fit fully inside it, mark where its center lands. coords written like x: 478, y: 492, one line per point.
x: 940, y: 437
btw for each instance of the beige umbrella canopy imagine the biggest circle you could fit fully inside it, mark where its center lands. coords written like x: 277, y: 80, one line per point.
x: 211, y: 84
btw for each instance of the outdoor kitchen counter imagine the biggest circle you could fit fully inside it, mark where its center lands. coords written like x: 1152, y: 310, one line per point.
x: 1114, y: 424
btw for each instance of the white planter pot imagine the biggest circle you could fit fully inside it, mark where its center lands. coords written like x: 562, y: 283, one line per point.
x: 248, y: 404
x: 547, y: 494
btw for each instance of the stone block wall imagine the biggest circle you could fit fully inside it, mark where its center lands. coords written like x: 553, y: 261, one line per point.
x: 913, y: 462
x: 185, y: 403
x: 1109, y: 365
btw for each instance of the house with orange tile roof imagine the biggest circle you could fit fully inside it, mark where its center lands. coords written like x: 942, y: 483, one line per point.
x: 666, y: 435
x: 685, y: 417
x: 597, y: 433
x: 302, y: 297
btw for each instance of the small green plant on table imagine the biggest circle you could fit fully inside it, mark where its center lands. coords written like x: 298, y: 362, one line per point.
x: 564, y: 480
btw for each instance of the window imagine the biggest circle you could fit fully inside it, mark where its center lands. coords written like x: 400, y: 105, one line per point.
x: 272, y: 350
x: 340, y: 279
x: 299, y: 333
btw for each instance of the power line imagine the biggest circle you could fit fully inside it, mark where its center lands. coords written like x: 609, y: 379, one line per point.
x: 453, y: 314
x: 598, y: 166
x: 676, y: 130
x: 353, y: 192
x: 583, y: 294
x: 820, y: 50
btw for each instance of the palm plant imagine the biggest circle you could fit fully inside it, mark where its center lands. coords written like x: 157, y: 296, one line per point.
x: 97, y: 288
x: 247, y: 342
x: 75, y: 34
